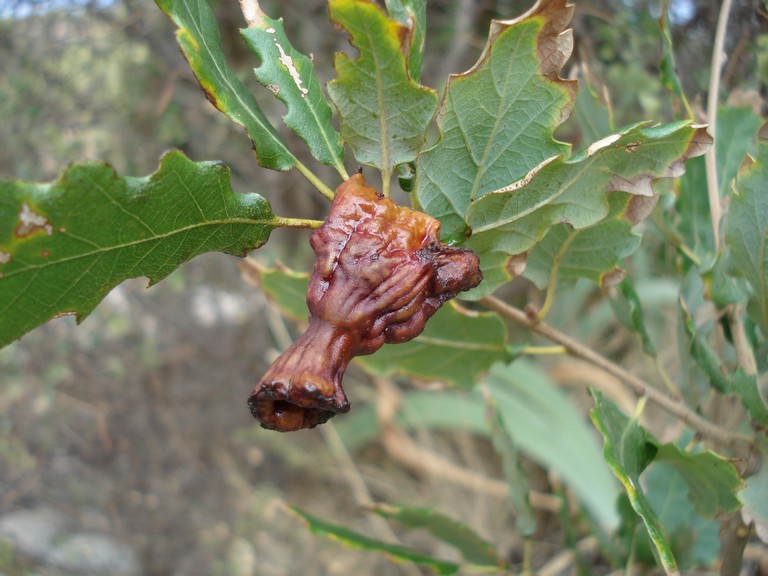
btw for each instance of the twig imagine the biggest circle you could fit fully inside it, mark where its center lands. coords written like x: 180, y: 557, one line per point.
x: 639, y: 387
x: 710, y: 158
x: 402, y: 448
x: 734, y: 535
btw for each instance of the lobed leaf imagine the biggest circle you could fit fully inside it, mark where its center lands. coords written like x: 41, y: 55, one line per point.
x: 496, y: 120
x: 628, y: 450
x: 384, y: 113
x: 353, y: 539
x: 471, y: 545
x: 600, y: 193
x: 413, y: 15
x: 291, y: 77
x: 566, y: 255
x: 514, y: 218
x: 712, y: 480
x: 200, y: 41
x: 694, y: 540
x: 65, y: 245
x: 747, y: 229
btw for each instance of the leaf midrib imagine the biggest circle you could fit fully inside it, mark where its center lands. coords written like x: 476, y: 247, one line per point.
x: 155, y: 238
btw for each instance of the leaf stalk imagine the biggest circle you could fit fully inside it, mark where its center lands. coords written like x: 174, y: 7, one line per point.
x: 316, y: 182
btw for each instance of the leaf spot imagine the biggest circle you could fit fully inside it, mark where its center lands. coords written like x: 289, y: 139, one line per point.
x: 270, y: 30
x: 632, y: 147
x: 30, y: 221
x: 602, y: 143
x: 274, y: 88
x: 5, y: 257
x: 287, y: 61
x: 525, y: 180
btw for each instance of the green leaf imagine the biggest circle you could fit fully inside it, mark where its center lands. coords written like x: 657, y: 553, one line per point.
x: 694, y: 540
x: 712, y: 481
x: 628, y: 309
x: 669, y: 77
x: 200, y: 41
x: 384, y: 114
x: 695, y: 329
x: 746, y: 388
x: 291, y: 77
x: 747, y: 229
x: 628, y: 449
x: 65, y: 245
x: 456, y: 346
x: 413, y: 15
x: 549, y: 429
x: 285, y: 287
x: 514, y: 218
x: 497, y: 119
x: 566, y: 255
x: 353, y: 539
x: 736, y: 128
x: 472, y: 546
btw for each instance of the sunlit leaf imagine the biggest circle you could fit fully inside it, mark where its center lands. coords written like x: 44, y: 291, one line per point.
x: 200, y: 41
x: 290, y: 76
x: 65, y: 245
x: 384, y: 113
x: 514, y: 218
x: 497, y: 119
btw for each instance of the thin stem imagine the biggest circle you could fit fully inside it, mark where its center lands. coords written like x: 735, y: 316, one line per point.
x: 710, y: 159
x: 544, y: 350
x: 641, y: 388
x: 297, y: 222
x: 316, y: 182
x: 386, y: 180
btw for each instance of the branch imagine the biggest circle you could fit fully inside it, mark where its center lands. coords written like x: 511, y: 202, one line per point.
x: 641, y: 388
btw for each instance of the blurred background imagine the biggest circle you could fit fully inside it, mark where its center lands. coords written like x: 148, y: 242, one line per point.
x: 126, y: 446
